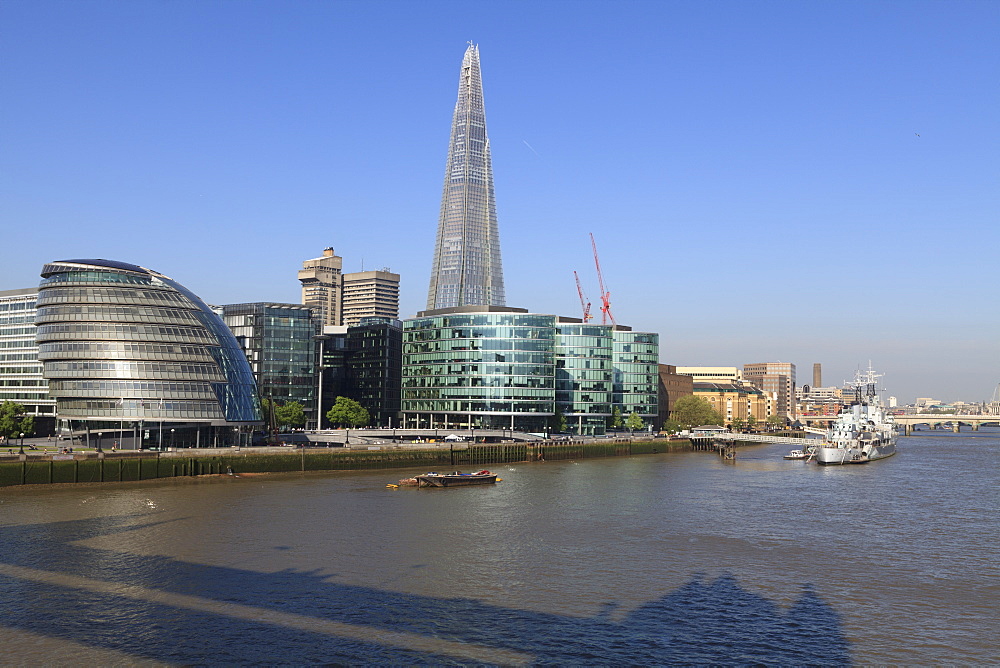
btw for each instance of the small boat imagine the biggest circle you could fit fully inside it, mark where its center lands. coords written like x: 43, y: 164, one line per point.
x: 456, y: 479
x: 797, y: 454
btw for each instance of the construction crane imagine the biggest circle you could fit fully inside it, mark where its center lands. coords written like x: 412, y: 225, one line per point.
x: 584, y: 302
x: 605, y: 295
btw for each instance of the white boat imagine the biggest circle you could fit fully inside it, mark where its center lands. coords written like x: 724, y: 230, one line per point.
x: 863, y: 432
x: 797, y: 454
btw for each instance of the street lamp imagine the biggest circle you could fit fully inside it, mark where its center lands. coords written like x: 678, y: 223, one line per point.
x: 171, y: 438
x: 99, y: 435
x: 22, y: 443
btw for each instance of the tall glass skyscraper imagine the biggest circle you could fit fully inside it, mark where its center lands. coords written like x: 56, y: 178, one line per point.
x: 467, y: 270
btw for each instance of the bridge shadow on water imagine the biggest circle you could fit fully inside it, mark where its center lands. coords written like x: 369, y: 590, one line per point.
x: 171, y: 611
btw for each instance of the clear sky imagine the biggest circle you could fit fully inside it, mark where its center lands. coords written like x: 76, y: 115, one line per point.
x: 767, y: 181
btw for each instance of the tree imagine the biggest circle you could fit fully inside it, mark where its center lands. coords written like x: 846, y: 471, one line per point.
x: 751, y: 422
x: 558, y: 421
x: 671, y: 425
x: 348, y: 412
x: 291, y: 414
x: 692, y: 411
x: 775, y: 420
x: 738, y: 424
x: 615, y: 421
x: 13, y: 420
x: 634, y: 422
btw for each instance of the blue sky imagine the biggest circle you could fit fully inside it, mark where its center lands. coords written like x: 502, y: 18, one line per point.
x: 793, y: 181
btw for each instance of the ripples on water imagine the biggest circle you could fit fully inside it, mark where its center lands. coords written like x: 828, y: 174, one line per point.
x: 679, y: 558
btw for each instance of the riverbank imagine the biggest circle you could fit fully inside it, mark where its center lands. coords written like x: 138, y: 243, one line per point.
x: 130, y: 466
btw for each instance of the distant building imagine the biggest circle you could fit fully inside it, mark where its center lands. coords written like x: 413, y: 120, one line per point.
x: 133, y: 357
x: 322, y: 283
x: 736, y: 401
x: 370, y: 294
x: 344, y: 299
x: 712, y: 374
x: 817, y: 375
x: 672, y: 386
x: 21, y: 377
x: 279, y: 341
x: 776, y: 377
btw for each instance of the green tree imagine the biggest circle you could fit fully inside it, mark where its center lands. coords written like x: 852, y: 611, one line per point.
x: 558, y: 421
x: 13, y: 420
x: 634, y: 422
x: 775, y: 420
x: 738, y: 424
x: 348, y: 412
x: 751, y: 422
x: 692, y: 411
x: 671, y: 425
x: 291, y: 414
x: 615, y: 421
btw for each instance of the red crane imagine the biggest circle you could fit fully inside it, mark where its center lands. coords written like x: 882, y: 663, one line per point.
x: 605, y: 295
x: 584, y: 302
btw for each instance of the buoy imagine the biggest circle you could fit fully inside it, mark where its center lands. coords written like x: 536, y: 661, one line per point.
x: 499, y: 479
x: 391, y: 486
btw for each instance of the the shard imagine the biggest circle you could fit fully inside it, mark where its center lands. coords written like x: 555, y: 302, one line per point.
x: 467, y: 269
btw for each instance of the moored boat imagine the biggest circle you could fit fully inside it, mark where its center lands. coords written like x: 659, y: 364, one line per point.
x: 456, y: 479
x: 863, y: 432
x: 796, y: 454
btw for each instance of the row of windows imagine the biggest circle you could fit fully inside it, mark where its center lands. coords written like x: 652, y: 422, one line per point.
x: 478, y: 381
x: 9, y: 306
x: 101, y: 313
x: 22, y: 382
x: 477, y: 392
x: 133, y: 368
x: 167, y: 410
x: 503, y: 407
x: 483, y: 370
x: 17, y: 331
x: 124, y: 332
x: 18, y: 357
x: 23, y: 396
x: 481, y: 319
x: 54, y: 296
x: 487, y: 345
x: 123, y: 350
x: 95, y: 276
x: 17, y: 319
x: 17, y: 343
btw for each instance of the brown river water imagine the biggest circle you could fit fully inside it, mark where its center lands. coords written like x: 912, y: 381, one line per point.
x: 648, y: 560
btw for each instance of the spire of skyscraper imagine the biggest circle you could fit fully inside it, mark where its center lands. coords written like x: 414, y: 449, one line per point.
x: 467, y: 270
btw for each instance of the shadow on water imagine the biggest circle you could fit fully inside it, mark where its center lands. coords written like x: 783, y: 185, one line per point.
x: 172, y: 611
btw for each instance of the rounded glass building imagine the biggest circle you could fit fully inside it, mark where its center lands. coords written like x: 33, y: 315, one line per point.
x: 132, y: 354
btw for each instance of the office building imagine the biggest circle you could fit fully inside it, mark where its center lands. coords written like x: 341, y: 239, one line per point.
x: 506, y: 368
x: 817, y: 375
x: 21, y: 377
x: 279, y: 341
x: 132, y: 355
x: 322, y: 283
x: 777, y: 378
x: 370, y: 294
x: 467, y: 269
x: 344, y: 299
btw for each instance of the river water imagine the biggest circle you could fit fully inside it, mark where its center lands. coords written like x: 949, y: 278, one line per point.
x: 658, y: 559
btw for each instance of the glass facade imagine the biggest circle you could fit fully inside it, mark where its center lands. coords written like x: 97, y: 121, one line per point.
x: 479, y: 369
x: 583, y: 376
x: 279, y: 341
x: 467, y: 269
x: 515, y: 370
x: 636, y: 356
x: 123, y: 343
x: 21, y: 378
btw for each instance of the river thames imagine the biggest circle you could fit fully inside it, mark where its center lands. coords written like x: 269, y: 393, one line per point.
x: 656, y: 559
